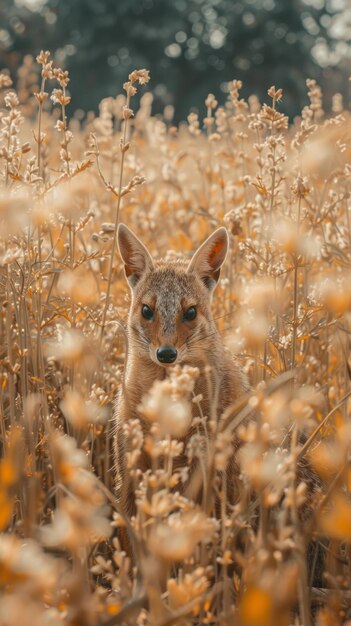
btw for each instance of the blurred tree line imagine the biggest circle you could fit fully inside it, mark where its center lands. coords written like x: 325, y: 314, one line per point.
x: 191, y: 47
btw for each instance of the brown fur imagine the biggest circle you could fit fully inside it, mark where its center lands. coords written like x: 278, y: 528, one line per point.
x: 169, y: 289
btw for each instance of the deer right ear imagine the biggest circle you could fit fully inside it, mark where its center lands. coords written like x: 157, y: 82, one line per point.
x: 135, y: 256
x: 209, y: 258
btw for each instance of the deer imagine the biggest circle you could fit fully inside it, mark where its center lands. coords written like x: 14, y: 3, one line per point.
x: 170, y: 322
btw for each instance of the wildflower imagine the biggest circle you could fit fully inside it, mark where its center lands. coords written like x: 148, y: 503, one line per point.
x: 71, y: 348
x: 300, y: 188
x: 234, y: 88
x: 167, y: 402
x: 68, y: 457
x: 211, y: 101
x: 335, y: 293
x: 61, y: 77
x: 256, y: 607
x: 5, y: 81
x: 43, y: 57
x: 194, y: 124
x: 11, y: 100
x: 79, y: 412
x: 43, y: 60
x: 79, y: 285
x: 336, y: 519
x: 275, y: 94
x: 23, y: 563
x: 140, y: 76
x: 75, y: 526
x: 182, y: 591
x: 224, y: 450
x: 176, y: 539
x: 277, y: 120
x: 58, y: 97
x: 263, y: 467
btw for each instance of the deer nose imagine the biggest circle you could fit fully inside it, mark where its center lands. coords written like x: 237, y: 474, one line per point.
x: 166, y: 354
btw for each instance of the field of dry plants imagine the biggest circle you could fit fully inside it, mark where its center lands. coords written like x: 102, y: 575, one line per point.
x: 283, y: 305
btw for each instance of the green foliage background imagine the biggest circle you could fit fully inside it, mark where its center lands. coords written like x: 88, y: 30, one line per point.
x: 191, y: 47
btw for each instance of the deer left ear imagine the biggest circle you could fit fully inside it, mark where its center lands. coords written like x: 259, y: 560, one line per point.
x: 135, y: 256
x: 209, y: 258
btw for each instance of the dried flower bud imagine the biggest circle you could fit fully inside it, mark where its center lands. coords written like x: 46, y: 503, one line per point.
x: 11, y: 100
x: 127, y: 112
x: 41, y: 96
x: 176, y: 539
x: 211, y: 101
x: 275, y: 94
x: 171, y: 413
x: 43, y: 57
x: 81, y: 413
x: 5, y: 81
x: 61, y: 76
x: 140, y: 76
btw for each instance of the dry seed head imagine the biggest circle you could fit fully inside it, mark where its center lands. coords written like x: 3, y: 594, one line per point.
x: 161, y: 504
x: 254, y: 327
x: 287, y: 235
x: 23, y: 563
x: 277, y: 120
x: 68, y: 458
x: 157, y: 447
x: 337, y: 103
x: 127, y: 113
x: 275, y: 411
x: 234, y: 88
x: 275, y: 94
x: 187, y: 587
x: 194, y: 124
x: 61, y: 77
x: 260, y: 294
x: 70, y: 349
x: 335, y: 292
x: 173, y: 414
x: 140, y: 76
x: 11, y: 100
x: 300, y: 187
x: 335, y: 520
x: 79, y: 285
x: 211, y: 101
x: 176, y: 539
x: 327, y: 459
x: 75, y: 526
x: 81, y: 413
x: 5, y: 81
x: 58, y: 97
x: 262, y: 467
x: 43, y: 57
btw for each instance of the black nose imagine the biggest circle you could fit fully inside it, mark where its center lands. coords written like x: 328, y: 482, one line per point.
x: 166, y: 354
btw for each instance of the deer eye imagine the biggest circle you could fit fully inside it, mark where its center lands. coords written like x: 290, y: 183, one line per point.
x: 190, y: 314
x: 147, y: 313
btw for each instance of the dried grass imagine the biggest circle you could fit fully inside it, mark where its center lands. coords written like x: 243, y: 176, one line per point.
x: 283, y: 305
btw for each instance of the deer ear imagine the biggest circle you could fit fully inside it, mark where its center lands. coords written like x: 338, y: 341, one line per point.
x: 209, y: 258
x: 135, y: 256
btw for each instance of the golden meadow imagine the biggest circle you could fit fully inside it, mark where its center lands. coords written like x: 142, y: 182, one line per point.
x: 283, y: 306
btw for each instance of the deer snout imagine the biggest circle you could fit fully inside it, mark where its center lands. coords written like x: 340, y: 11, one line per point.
x: 166, y: 354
